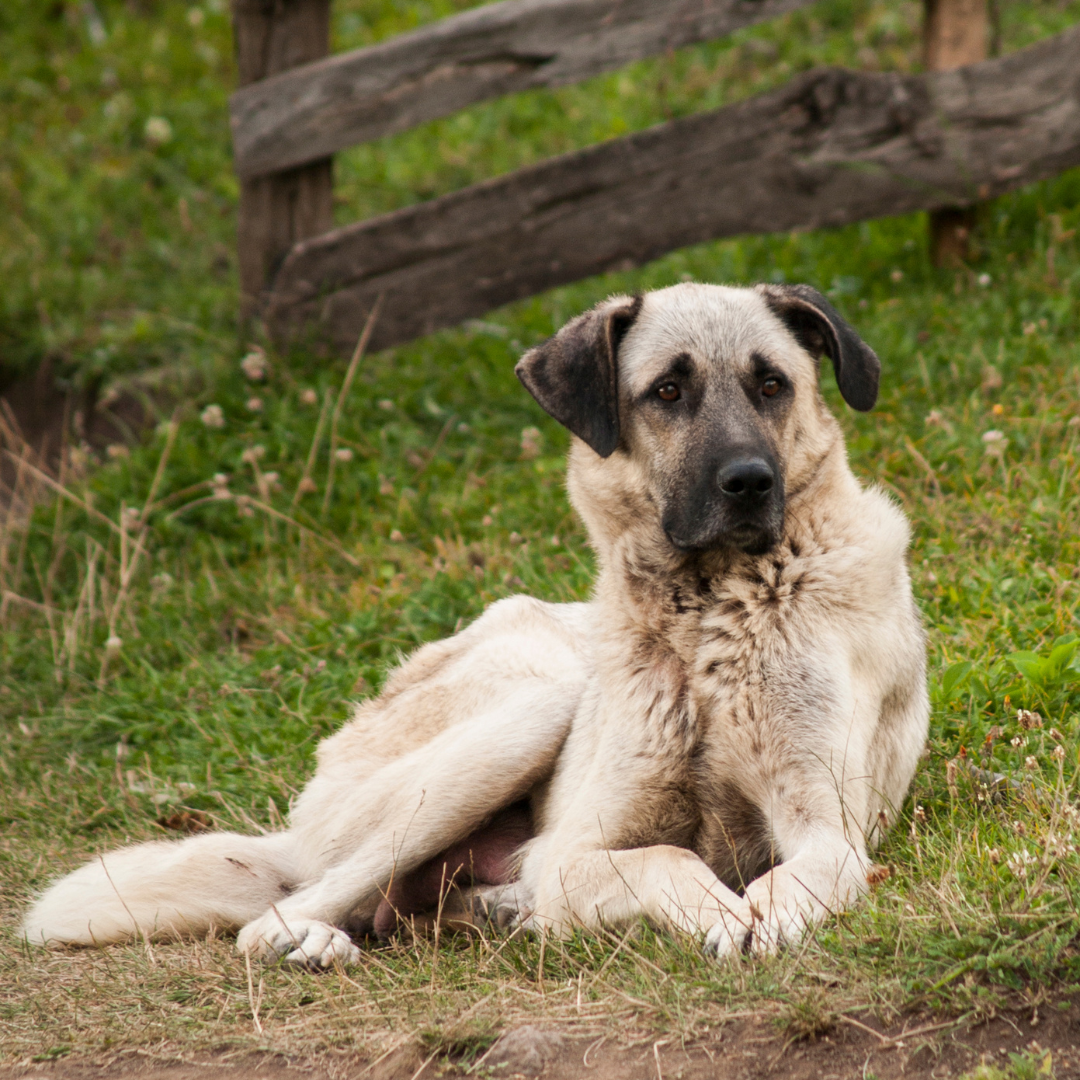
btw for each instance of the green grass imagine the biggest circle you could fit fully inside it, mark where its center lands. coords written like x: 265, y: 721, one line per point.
x: 243, y: 637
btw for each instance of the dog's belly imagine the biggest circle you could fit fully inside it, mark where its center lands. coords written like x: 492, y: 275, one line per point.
x: 486, y: 857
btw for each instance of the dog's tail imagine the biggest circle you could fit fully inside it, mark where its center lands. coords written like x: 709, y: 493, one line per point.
x: 166, y: 889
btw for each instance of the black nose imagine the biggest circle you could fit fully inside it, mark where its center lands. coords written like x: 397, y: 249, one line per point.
x: 747, y: 480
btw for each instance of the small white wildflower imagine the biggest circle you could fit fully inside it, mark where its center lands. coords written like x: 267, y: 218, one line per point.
x: 994, y: 855
x: 343, y: 453
x: 117, y: 450
x: 255, y: 365
x: 896, y: 276
x: 984, y: 280
x: 1031, y: 762
x: 309, y: 397
x: 158, y: 131
x: 254, y: 404
x: 219, y: 486
x: 1019, y: 862
x: 130, y: 518
x: 1058, y: 753
x: 1028, y: 720
x: 1029, y: 329
x: 212, y: 416
x: 306, y: 485
x: 994, y: 442
x: 386, y: 405
x: 1016, y: 742
x: 396, y: 536
x: 196, y: 17
x: 933, y: 418
x: 487, y: 519
x: 253, y: 454
x: 113, y: 645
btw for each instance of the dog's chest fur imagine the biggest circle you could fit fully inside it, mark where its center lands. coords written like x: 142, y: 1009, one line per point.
x: 725, y: 647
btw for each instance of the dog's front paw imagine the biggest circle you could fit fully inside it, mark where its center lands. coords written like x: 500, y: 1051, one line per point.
x: 748, y: 930
x: 307, y: 942
x: 731, y: 934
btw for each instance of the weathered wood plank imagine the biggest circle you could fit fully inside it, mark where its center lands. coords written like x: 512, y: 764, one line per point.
x: 831, y: 147
x: 483, y: 53
x: 276, y: 211
x: 955, y: 33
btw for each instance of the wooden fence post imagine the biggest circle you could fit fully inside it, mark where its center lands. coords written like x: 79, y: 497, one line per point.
x: 955, y: 33
x: 279, y: 209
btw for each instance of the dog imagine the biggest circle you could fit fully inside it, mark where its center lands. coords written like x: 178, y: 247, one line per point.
x: 715, y: 742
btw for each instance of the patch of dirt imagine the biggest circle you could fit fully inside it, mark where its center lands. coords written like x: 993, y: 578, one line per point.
x: 747, y: 1049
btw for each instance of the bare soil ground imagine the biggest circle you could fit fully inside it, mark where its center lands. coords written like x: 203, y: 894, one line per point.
x: 922, y: 1046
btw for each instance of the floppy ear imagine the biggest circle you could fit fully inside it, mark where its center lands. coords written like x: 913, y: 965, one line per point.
x: 819, y: 328
x: 575, y: 375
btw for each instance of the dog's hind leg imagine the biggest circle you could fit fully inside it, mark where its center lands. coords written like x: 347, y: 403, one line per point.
x: 414, y: 808
x: 165, y: 889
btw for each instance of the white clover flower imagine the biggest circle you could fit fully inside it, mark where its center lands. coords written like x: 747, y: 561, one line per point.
x: 1019, y: 862
x: 158, y: 131
x: 253, y: 454
x: 308, y: 396
x: 255, y: 365
x: 994, y: 442
x: 984, y: 280
x: 254, y: 404
x: 213, y: 417
x: 343, y: 453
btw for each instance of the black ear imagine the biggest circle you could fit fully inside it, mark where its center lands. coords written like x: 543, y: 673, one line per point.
x: 819, y: 328
x: 575, y: 375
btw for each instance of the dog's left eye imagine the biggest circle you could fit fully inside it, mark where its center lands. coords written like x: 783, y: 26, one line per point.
x: 668, y: 392
x: 770, y: 387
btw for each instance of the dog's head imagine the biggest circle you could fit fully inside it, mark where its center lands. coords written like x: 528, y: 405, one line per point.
x: 701, y: 404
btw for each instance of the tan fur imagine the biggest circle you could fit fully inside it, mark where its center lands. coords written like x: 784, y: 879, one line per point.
x: 713, y: 742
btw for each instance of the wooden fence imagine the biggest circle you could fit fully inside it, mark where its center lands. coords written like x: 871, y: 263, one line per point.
x: 829, y: 148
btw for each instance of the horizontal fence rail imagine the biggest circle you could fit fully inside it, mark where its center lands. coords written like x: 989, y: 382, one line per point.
x: 829, y: 148
x: 313, y: 111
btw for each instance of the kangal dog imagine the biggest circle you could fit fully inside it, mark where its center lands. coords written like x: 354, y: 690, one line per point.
x: 714, y: 742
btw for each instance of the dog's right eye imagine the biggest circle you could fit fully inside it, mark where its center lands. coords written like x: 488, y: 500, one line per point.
x: 668, y: 392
